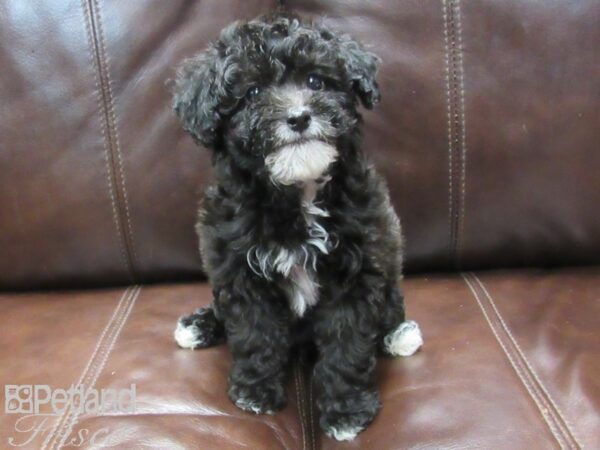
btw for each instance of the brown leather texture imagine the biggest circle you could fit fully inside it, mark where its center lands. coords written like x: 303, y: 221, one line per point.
x: 98, y: 183
x: 487, y: 129
x: 511, y: 361
x: 487, y: 133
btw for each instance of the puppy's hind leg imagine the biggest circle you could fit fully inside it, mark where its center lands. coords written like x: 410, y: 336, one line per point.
x: 401, y: 337
x: 200, y: 329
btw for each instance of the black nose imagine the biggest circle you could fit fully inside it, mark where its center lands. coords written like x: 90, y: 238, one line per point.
x: 299, y: 123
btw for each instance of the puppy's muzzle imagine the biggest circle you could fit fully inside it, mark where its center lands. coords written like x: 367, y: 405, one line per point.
x: 300, y: 162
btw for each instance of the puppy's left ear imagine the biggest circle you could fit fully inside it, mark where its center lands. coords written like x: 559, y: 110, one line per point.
x: 361, y: 67
x: 197, y: 94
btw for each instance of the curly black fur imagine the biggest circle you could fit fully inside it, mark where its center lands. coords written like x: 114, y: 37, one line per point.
x: 234, y: 98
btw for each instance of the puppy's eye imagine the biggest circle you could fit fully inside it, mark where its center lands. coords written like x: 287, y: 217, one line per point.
x: 253, y: 93
x: 314, y: 82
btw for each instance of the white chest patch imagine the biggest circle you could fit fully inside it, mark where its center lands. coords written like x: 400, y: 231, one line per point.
x: 297, y: 265
x: 304, y: 287
x: 303, y: 290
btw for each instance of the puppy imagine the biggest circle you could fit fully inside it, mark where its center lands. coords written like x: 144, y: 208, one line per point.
x: 298, y: 231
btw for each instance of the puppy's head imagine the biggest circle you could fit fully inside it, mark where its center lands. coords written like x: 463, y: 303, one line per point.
x: 276, y: 94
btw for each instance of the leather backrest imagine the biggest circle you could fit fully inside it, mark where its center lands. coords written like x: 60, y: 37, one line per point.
x: 488, y: 132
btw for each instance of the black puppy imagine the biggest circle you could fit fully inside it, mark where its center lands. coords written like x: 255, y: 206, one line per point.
x: 298, y: 227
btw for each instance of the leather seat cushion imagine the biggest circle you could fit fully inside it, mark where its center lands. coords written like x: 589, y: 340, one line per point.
x: 511, y: 360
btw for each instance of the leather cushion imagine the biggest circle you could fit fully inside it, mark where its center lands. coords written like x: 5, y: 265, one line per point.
x: 510, y: 361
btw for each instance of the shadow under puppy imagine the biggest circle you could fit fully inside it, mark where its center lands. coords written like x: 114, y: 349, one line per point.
x: 298, y: 227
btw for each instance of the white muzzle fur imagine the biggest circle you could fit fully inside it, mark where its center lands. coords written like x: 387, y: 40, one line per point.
x: 301, y: 162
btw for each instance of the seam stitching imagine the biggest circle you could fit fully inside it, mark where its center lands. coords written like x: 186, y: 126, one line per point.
x: 99, y: 101
x: 300, y: 406
x: 116, y: 313
x: 65, y: 428
x: 115, y: 133
x: 304, y: 406
x: 449, y: 117
x: 520, y: 370
x: 109, y: 133
x: 568, y: 428
x: 310, y: 411
x: 456, y: 125
x: 73, y: 415
x: 463, y: 132
x: 517, y: 368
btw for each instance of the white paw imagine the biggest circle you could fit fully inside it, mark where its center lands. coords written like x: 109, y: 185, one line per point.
x: 343, y: 433
x: 188, y: 336
x: 404, y: 340
x: 251, y: 406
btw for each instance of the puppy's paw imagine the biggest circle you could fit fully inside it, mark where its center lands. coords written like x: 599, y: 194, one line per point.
x: 343, y: 433
x: 265, y: 398
x: 350, y: 416
x: 404, y: 340
x: 345, y: 427
x: 199, y: 330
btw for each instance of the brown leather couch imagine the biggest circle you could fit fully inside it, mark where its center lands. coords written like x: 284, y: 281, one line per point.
x: 489, y: 135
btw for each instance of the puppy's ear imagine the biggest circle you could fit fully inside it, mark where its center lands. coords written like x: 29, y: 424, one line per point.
x: 361, y: 68
x: 197, y: 92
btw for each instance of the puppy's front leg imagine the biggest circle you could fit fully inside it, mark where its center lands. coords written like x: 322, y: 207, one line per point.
x: 346, y: 337
x: 257, y: 326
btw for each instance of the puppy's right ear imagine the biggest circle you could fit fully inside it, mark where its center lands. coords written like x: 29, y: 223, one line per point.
x: 196, y: 96
x: 361, y: 67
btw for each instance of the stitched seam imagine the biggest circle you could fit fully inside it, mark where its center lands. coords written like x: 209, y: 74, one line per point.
x: 567, y: 427
x: 114, y: 122
x: 449, y: 115
x: 304, y: 406
x: 456, y: 122
x: 516, y: 367
x: 99, y: 343
x: 89, y: 373
x: 463, y: 168
x: 311, y: 406
x: 300, y: 402
x: 73, y: 414
x: 112, y: 150
x: 522, y: 374
x: 99, y: 100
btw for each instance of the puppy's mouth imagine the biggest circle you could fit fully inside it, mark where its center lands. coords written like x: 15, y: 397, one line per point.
x: 301, y: 141
x: 300, y: 161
